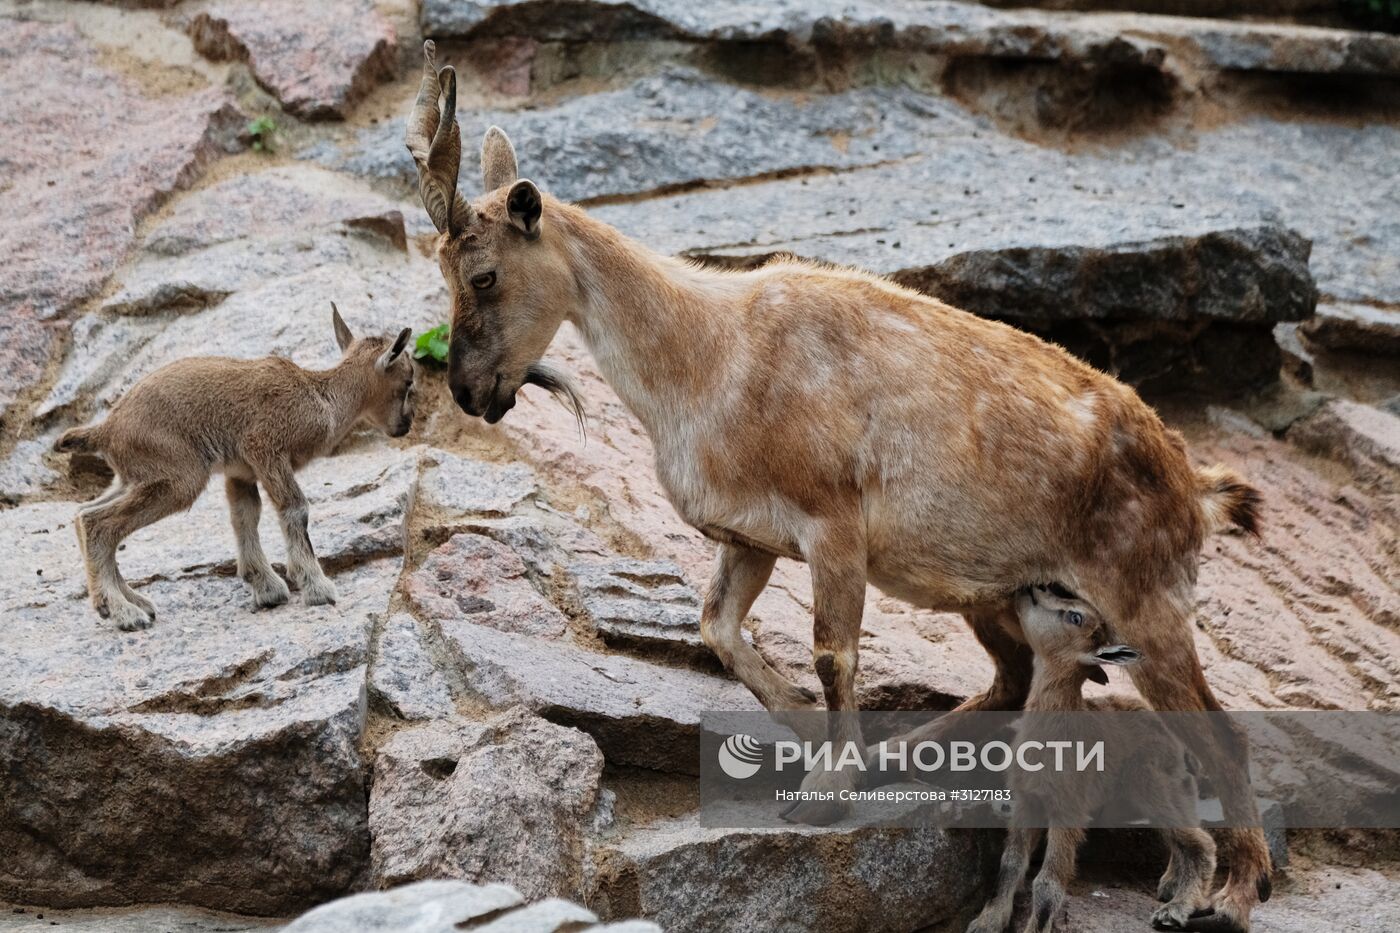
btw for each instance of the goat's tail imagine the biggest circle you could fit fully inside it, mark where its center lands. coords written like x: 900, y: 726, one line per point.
x: 1227, y: 500
x: 84, y: 439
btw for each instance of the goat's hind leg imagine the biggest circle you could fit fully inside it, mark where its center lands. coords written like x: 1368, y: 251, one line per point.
x: 1015, y: 859
x: 245, y: 509
x: 103, y: 529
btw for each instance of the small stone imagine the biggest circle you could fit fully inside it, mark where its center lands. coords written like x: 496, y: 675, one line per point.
x: 402, y: 674
x: 508, y: 799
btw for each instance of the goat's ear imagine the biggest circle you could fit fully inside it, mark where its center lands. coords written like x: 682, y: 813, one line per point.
x: 525, y: 205
x: 498, y: 165
x: 386, y: 359
x: 343, y: 337
x: 1097, y: 674
x: 1118, y: 654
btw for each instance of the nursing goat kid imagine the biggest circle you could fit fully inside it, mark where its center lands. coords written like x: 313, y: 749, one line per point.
x: 1148, y: 765
x: 831, y: 416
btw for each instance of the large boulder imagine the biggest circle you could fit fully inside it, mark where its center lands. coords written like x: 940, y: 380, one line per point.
x: 936, y: 26
x: 509, y: 799
x: 849, y: 877
x: 212, y: 759
x: 318, y: 62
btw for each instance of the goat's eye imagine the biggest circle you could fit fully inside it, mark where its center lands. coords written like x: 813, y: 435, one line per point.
x: 1074, y: 617
x: 483, y: 281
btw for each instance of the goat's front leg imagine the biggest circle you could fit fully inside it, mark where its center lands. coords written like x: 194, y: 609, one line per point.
x: 836, y: 554
x: 1056, y: 872
x: 1015, y: 859
x: 741, y: 573
x: 302, y: 566
x: 245, y: 509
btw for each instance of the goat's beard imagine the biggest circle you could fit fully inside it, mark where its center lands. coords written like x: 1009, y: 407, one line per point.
x: 560, y: 386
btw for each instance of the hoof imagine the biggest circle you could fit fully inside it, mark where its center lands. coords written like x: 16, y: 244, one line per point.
x: 130, y: 617
x: 271, y: 594
x: 1171, y: 917
x: 1209, y: 920
x: 319, y: 593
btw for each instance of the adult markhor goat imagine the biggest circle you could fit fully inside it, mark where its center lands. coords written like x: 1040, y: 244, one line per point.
x: 830, y: 416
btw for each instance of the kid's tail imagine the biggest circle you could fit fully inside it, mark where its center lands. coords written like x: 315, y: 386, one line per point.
x: 1227, y: 500
x: 77, y: 439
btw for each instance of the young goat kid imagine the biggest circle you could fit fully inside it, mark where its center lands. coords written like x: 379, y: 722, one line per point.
x: 257, y: 421
x: 1071, y: 640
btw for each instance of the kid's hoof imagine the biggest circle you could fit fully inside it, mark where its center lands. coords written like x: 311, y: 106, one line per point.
x: 319, y: 593
x: 130, y: 617
x: 145, y: 605
x: 271, y: 594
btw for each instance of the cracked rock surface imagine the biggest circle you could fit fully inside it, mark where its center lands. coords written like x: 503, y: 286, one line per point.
x: 508, y: 694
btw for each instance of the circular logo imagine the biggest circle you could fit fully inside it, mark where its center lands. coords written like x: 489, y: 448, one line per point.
x: 740, y: 756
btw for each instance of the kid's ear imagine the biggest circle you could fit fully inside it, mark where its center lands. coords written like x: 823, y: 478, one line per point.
x: 1097, y: 674
x: 386, y: 359
x: 343, y: 337
x: 525, y: 205
x: 1118, y: 654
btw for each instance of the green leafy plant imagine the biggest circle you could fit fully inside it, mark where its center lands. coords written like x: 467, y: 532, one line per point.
x: 1380, y: 12
x: 432, y: 345
x: 261, y: 130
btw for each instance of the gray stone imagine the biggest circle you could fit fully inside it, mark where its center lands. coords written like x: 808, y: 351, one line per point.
x: 1365, y: 438
x: 847, y: 877
x: 454, y: 486
x: 948, y: 28
x: 479, y: 580
x: 25, y: 472
x: 402, y: 676
x: 318, y: 62
x: 192, y: 761
x: 100, y: 347
x: 639, y: 713
x: 644, y: 604
x: 253, y: 228
x: 1359, y: 327
x: 356, y: 507
x: 669, y: 130
x: 508, y: 799
x: 448, y: 906
x: 268, y: 203
x: 138, y: 920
